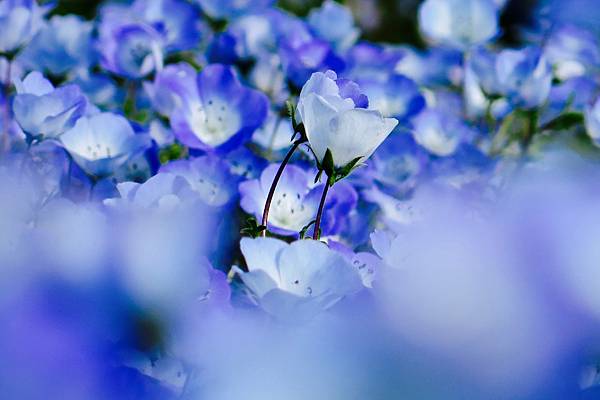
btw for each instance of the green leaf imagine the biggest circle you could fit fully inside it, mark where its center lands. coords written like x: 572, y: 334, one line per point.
x: 564, y: 122
x: 173, y: 152
x: 343, y: 172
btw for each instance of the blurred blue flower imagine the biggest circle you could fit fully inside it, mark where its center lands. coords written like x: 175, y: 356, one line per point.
x: 397, y: 97
x: 459, y: 23
x: 171, y: 88
x: 592, y: 122
x: 524, y: 76
x: 228, y: 9
x: 296, y: 282
x: 572, y: 52
x: 42, y: 110
x: 103, y: 142
x: 335, y: 117
x: 334, y: 23
x: 62, y: 45
x: 223, y: 115
x: 19, y: 22
x: 440, y: 133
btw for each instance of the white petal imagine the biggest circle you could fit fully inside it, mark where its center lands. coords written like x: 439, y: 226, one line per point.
x: 261, y: 254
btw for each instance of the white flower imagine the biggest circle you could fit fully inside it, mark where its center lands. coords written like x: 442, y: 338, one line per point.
x: 296, y: 280
x: 332, y: 113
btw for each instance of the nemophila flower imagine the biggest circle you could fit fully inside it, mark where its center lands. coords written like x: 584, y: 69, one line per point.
x: 19, y: 22
x: 335, y: 116
x: 223, y: 115
x: 177, y: 21
x: 459, y: 23
x: 130, y: 49
x: 229, y: 9
x: 171, y: 86
x: 397, y: 97
x: 372, y: 61
x: 440, y: 133
x: 268, y: 76
x: 295, y: 201
x: 394, y: 168
x: 62, y: 45
x: 275, y: 134
x: 295, y: 282
x: 573, y: 52
x: 42, y: 110
x: 244, y: 163
x: 256, y: 34
x: 437, y: 66
x: 592, y: 122
x: 524, y: 76
x: 101, y: 143
x: 367, y: 264
x: 334, y: 23
x: 209, y: 176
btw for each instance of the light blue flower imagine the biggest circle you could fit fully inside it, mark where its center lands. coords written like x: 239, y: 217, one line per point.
x: 171, y: 86
x: 334, y: 23
x: 103, y: 142
x: 592, y: 122
x: 223, y: 115
x: 295, y: 282
x: 524, y: 76
x: 19, y: 22
x: 459, y: 23
x: 43, y: 111
x: 63, y: 44
x: 398, y: 97
x: 228, y: 9
x: 209, y: 176
x: 440, y: 133
x: 335, y: 117
x: 573, y: 52
x: 296, y: 201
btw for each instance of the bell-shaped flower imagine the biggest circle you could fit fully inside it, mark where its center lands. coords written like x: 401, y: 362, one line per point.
x: 19, y: 22
x: 63, y: 44
x: 524, y: 76
x: 335, y: 117
x: 101, y: 143
x: 223, y: 115
x: 296, y: 201
x: 459, y: 23
x: 295, y: 282
x: 43, y: 111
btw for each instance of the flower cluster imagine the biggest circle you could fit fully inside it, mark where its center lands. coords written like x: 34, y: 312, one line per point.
x: 221, y: 199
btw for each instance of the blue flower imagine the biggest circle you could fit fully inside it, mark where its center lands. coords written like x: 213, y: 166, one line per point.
x: 177, y: 21
x: 296, y: 201
x: 524, y: 76
x: 209, y: 176
x: 440, y: 133
x: 459, y: 23
x: 335, y: 117
x: 63, y: 44
x: 334, y: 23
x: 573, y: 52
x: 19, y: 22
x: 592, y: 122
x: 42, y: 110
x: 171, y: 86
x: 397, y: 97
x: 103, y: 142
x: 228, y: 9
x: 295, y: 282
x: 223, y: 115
x: 131, y: 50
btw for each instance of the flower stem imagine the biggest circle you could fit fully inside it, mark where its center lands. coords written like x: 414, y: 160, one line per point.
x: 317, y: 233
x: 265, y: 218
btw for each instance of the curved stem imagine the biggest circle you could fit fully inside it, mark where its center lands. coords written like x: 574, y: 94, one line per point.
x: 265, y: 218
x: 317, y: 234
